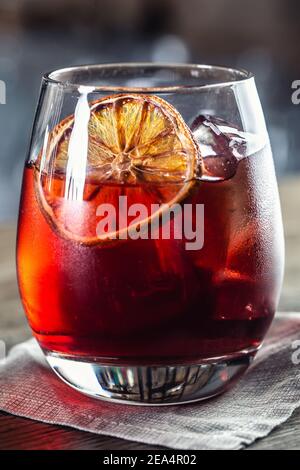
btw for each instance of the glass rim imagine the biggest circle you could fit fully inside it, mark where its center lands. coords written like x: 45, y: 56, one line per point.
x: 239, y: 75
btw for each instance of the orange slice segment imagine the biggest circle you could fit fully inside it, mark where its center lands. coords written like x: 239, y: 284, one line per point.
x: 138, y: 146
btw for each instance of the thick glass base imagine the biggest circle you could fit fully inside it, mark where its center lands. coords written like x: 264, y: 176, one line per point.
x: 150, y: 385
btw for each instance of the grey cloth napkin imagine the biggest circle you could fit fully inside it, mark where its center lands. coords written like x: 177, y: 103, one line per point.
x: 263, y: 399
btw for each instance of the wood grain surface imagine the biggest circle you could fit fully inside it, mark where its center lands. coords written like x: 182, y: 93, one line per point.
x: 21, y: 433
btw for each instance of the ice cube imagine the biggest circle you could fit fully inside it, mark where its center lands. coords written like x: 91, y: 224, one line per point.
x: 221, y: 147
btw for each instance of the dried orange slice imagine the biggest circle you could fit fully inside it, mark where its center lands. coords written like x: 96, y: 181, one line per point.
x: 132, y: 145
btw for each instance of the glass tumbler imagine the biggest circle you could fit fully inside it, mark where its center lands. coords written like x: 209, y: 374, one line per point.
x: 150, y: 242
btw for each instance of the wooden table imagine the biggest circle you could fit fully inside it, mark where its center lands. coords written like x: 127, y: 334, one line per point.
x: 20, y: 433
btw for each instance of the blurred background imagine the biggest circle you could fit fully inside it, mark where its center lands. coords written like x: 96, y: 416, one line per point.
x: 37, y: 36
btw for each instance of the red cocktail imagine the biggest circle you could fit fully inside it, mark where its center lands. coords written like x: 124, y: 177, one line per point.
x: 174, y: 303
